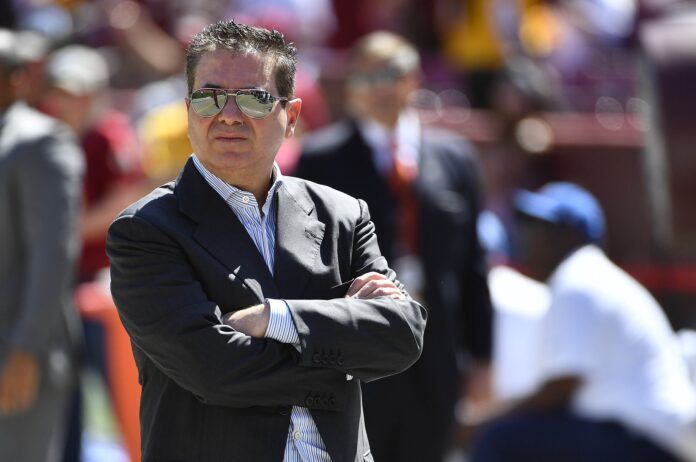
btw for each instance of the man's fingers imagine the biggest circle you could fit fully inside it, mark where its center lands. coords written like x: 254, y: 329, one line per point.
x: 372, y: 285
x: 385, y: 292
x: 360, y: 281
x: 367, y: 288
x: 377, y: 288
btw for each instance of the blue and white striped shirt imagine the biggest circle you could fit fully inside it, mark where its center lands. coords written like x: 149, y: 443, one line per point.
x: 304, y: 443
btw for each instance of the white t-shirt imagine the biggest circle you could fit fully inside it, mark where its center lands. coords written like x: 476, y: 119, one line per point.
x: 520, y: 304
x: 607, y: 329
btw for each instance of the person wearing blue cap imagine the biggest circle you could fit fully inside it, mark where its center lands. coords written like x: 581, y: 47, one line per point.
x: 612, y: 384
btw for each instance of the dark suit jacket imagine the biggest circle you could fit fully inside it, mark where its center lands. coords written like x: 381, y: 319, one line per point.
x: 456, y: 291
x: 180, y: 259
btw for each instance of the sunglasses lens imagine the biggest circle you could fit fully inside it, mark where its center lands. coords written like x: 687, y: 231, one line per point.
x: 255, y: 103
x: 207, y: 103
x: 386, y: 76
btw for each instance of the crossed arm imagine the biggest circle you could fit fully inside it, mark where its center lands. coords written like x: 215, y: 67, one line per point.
x: 254, y: 320
x: 225, y: 361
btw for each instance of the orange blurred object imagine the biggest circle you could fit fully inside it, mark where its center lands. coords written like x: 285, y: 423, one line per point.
x: 94, y: 303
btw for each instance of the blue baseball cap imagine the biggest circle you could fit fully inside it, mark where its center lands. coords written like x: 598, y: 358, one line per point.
x: 564, y: 204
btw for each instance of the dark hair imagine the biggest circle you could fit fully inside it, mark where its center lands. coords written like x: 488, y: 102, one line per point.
x: 241, y: 38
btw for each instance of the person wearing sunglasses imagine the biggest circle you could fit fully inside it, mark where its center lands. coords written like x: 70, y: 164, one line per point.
x: 257, y: 303
x: 422, y: 188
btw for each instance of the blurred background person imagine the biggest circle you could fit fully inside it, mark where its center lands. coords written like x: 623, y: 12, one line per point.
x: 422, y: 187
x: 78, y: 82
x: 612, y: 383
x: 41, y: 170
x: 33, y: 52
x: 472, y: 44
x: 519, y: 305
x: 78, y: 94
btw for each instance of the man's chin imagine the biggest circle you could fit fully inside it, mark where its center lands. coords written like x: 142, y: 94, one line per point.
x: 231, y: 154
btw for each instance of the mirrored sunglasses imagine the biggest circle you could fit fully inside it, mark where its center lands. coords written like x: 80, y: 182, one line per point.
x: 385, y: 76
x: 256, y: 104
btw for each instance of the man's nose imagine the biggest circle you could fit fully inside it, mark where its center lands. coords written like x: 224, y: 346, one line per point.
x: 231, y: 114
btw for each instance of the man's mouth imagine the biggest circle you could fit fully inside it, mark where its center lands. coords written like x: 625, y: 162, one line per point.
x: 229, y: 137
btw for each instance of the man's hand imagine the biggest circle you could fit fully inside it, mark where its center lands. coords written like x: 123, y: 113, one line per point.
x: 479, y: 384
x: 471, y: 417
x: 372, y: 285
x: 252, y: 321
x: 19, y: 382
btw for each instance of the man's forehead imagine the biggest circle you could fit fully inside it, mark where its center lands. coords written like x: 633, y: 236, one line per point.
x: 224, y: 68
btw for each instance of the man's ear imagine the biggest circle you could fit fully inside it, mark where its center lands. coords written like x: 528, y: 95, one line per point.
x: 292, y: 109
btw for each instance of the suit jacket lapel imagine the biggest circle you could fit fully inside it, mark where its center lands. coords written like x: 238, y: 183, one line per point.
x: 430, y: 186
x: 432, y: 174
x: 361, y: 157
x: 221, y: 233
x: 298, y: 238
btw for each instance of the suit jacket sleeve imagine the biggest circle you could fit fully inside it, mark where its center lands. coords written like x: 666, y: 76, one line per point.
x: 369, y: 339
x: 169, y: 317
x: 49, y: 192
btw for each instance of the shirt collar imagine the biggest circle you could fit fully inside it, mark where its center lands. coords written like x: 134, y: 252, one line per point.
x: 237, y: 198
x: 407, y: 134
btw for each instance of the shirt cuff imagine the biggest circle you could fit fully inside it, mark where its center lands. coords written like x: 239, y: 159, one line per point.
x: 281, y: 327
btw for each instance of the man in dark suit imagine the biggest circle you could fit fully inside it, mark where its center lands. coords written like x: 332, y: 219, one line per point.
x: 41, y: 171
x: 422, y: 188
x: 256, y: 303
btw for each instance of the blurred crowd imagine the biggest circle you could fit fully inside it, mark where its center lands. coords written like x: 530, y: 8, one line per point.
x: 536, y: 334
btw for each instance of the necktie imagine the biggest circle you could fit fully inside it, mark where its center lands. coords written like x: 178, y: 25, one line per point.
x: 401, y: 178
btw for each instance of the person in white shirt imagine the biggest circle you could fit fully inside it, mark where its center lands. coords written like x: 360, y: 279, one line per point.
x: 612, y: 384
